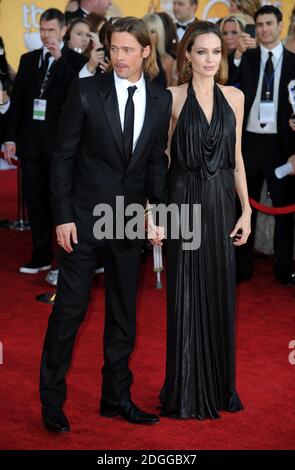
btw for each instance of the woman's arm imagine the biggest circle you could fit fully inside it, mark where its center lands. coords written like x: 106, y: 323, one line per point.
x: 243, y: 224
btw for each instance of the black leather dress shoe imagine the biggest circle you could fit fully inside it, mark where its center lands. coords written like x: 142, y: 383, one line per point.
x: 54, y: 419
x: 128, y: 410
x: 286, y: 279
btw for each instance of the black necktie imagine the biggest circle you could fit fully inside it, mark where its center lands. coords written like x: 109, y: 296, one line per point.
x: 44, y: 64
x: 267, y: 83
x: 129, y: 123
x: 268, y: 79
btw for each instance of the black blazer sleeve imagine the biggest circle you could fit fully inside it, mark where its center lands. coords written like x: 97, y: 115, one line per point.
x: 233, y: 71
x: 157, y: 190
x: 63, y: 163
x: 13, y: 113
x: 72, y: 60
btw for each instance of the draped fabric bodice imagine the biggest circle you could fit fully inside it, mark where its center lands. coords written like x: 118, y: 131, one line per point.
x: 202, y: 147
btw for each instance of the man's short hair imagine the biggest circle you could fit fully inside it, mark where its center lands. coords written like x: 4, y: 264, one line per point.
x: 268, y: 10
x: 53, y: 14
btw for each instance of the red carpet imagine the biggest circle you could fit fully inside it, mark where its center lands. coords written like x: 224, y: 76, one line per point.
x: 266, y: 314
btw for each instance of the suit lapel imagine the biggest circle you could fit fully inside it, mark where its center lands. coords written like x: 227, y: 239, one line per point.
x: 109, y: 99
x: 283, y: 79
x: 37, y: 61
x: 256, y: 69
x: 150, y: 115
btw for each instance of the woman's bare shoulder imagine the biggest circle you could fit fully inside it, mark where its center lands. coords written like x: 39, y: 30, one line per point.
x: 232, y: 93
x: 234, y: 97
x: 178, y: 90
x: 179, y: 95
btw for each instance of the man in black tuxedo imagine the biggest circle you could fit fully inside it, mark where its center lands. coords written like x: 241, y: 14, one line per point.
x: 185, y: 14
x: 111, y: 143
x: 264, y: 74
x: 44, y: 76
x: 89, y: 6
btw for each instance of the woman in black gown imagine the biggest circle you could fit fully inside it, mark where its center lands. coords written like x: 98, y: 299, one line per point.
x: 206, y: 168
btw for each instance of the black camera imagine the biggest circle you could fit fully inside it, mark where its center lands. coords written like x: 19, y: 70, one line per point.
x: 106, y: 52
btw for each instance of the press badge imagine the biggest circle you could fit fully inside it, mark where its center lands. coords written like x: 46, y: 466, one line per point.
x: 267, y: 112
x: 39, y: 110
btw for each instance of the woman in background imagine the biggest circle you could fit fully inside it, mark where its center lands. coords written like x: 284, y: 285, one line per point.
x: 231, y: 29
x: 165, y: 61
x: 77, y: 36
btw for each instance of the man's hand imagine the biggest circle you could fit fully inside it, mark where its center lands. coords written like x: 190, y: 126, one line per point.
x: 9, y: 152
x: 66, y: 233
x: 54, y: 48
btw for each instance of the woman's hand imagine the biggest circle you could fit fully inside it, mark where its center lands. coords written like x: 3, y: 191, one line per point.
x: 96, y: 58
x: 95, y: 39
x: 154, y: 234
x: 242, y: 228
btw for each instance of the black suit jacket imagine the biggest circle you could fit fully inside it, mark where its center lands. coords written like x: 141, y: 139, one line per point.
x: 89, y: 166
x: 247, y: 76
x: 35, y: 137
x: 2, y: 124
x: 71, y: 15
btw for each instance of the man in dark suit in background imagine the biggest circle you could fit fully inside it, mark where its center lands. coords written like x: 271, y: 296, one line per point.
x: 39, y: 93
x: 184, y: 12
x: 5, y: 85
x: 264, y: 74
x: 89, y: 6
x: 111, y: 143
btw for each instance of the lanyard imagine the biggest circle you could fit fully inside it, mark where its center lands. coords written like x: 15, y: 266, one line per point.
x: 269, y: 81
x: 45, y: 80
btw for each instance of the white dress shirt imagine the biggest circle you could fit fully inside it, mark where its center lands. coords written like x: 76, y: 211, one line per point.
x: 139, y: 99
x: 4, y: 107
x: 181, y: 31
x: 253, y: 124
